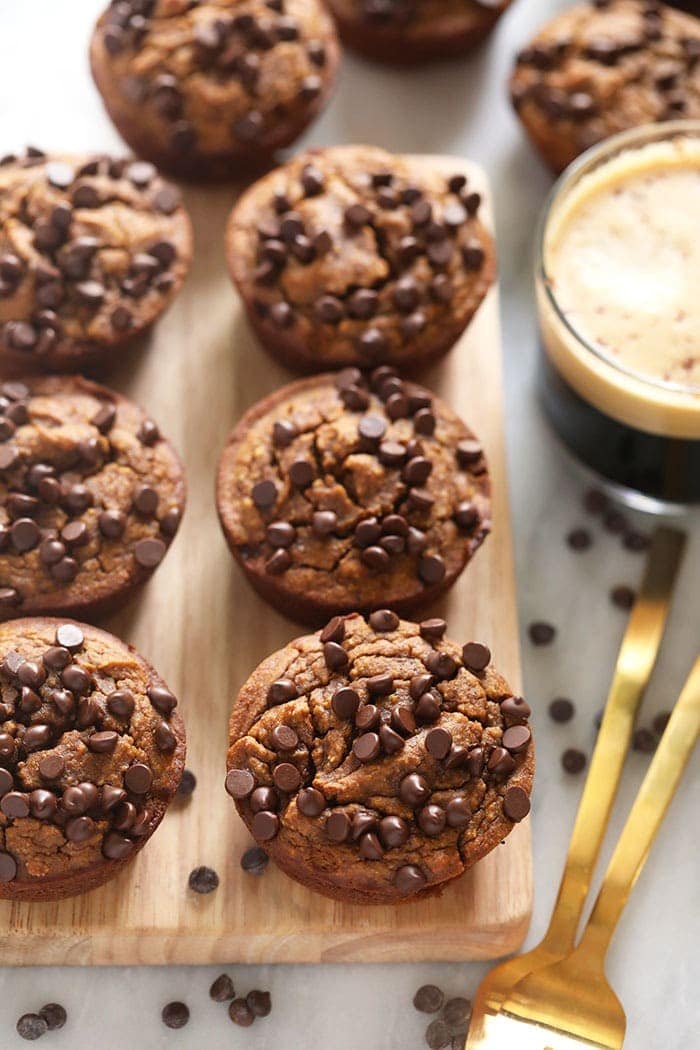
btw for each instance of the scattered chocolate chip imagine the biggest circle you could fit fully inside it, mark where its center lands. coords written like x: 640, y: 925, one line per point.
x: 240, y: 1013
x: 175, y: 1015
x: 573, y: 760
x: 541, y: 633
x: 660, y: 722
x: 579, y: 539
x: 623, y: 597
x: 457, y: 1013
x: 55, y: 1016
x: 255, y: 860
x: 31, y: 1026
x: 644, y: 740
x: 561, y: 710
x: 187, y: 785
x: 203, y: 880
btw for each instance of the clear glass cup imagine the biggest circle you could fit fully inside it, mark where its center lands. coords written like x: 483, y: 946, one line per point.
x: 639, y: 433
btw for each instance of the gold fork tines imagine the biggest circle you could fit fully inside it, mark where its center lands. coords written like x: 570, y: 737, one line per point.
x: 569, y: 1005
x: 636, y: 659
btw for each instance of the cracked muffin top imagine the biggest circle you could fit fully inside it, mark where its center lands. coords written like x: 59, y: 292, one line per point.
x: 406, y: 31
x: 91, y: 753
x: 92, y: 250
x: 91, y: 496
x: 199, y: 88
x: 339, y: 493
x: 600, y: 68
x: 377, y: 760
x: 354, y: 256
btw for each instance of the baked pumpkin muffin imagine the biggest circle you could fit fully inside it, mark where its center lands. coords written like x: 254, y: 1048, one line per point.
x: 603, y: 67
x: 404, y: 32
x: 340, y: 493
x: 91, y: 496
x: 354, y: 256
x: 206, y: 89
x: 377, y: 760
x: 92, y: 251
x: 91, y: 754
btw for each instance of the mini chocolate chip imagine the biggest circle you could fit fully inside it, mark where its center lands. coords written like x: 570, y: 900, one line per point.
x: 516, y: 804
x: 579, y: 539
x: 500, y: 762
x: 265, y: 825
x: 222, y: 989
x: 239, y: 783
x: 438, y: 742
x: 29, y: 1026
x: 573, y: 760
x: 324, y: 522
x: 623, y: 597
x: 345, y: 702
x: 432, y: 630
x: 431, y: 820
x: 149, y: 552
x: 55, y: 1016
x: 409, y: 879
x: 286, y: 777
x: 476, y: 657
x: 203, y: 880
x: 541, y: 633
x: 335, y: 656
x: 310, y: 802
x: 516, y: 738
x: 414, y: 790
x: 175, y: 1014
x: 383, y: 620
x: 458, y: 812
x: 254, y: 860
x: 240, y: 1013
x: 428, y: 999
x: 644, y: 740
x: 337, y: 826
x: 281, y: 691
x: 259, y: 1003
x: 264, y: 494
x: 366, y: 747
x: 138, y: 778
x: 561, y: 710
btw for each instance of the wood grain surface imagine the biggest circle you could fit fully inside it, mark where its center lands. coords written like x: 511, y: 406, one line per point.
x: 205, y: 630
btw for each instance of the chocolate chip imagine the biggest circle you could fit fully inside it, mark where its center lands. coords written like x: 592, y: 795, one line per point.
x: 573, y: 760
x: 255, y: 860
x: 240, y: 1013
x: 30, y: 1026
x: 644, y: 740
x: 428, y: 999
x: 438, y: 742
x: 515, y: 710
x: 281, y: 691
x: 335, y: 656
x: 476, y: 657
x: 516, y: 738
x: 138, y: 778
x: 414, y: 790
x: 221, y: 989
x: 264, y: 494
x: 187, y: 785
x: 55, y: 1016
x: 579, y: 539
x: 175, y: 1014
x: 428, y: 708
x: 357, y: 215
x: 561, y: 710
x: 366, y: 747
x: 409, y: 879
x: 660, y: 722
x: 501, y: 763
x: 203, y: 880
x: 337, y: 826
x: 345, y: 702
x: 239, y: 783
x: 301, y: 473
x: 102, y: 743
x: 541, y: 633
x: 456, y: 1014
x: 516, y: 804
x: 265, y: 825
x: 458, y: 812
x: 149, y: 552
x: 432, y: 630
x: 367, y: 717
x: 286, y: 777
x: 310, y: 802
x: 623, y: 597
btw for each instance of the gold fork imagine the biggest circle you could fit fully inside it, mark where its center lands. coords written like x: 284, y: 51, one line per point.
x: 636, y: 659
x: 569, y: 1005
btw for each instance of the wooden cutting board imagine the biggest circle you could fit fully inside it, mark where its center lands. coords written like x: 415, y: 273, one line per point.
x: 205, y: 630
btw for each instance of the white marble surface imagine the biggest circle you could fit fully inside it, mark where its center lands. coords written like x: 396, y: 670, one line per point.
x: 47, y: 98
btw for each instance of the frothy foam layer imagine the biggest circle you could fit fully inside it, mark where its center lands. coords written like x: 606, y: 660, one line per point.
x: 622, y: 255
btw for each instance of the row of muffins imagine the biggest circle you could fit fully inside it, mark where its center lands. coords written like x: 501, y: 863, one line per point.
x: 376, y: 760
x: 340, y: 493
x: 210, y: 87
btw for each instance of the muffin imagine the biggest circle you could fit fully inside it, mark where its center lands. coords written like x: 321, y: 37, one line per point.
x: 91, y: 753
x: 91, y: 496
x: 92, y: 250
x: 338, y: 493
x: 206, y: 89
x: 354, y: 256
x: 404, y: 32
x: 600, y: 68
x: 377, y: 760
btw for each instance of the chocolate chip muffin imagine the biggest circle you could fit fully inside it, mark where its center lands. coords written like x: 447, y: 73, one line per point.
x: 92, y: 250
x: 338, y: 493
x: 600, y: 68
x: 91, y: 753
x: 91, y: 496
x: 202, y: 89
x: 404, y: 32
x: 354, y: 256
x: 377, y: 760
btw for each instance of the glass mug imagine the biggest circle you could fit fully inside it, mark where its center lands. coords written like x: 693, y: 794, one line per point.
x: 639, y: 432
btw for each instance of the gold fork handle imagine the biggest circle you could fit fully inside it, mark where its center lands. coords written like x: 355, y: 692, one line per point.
x: 645, y: 819
x: 635, y: 663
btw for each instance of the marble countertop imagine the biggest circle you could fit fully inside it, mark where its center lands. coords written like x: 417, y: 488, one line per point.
x: 47, y: 98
